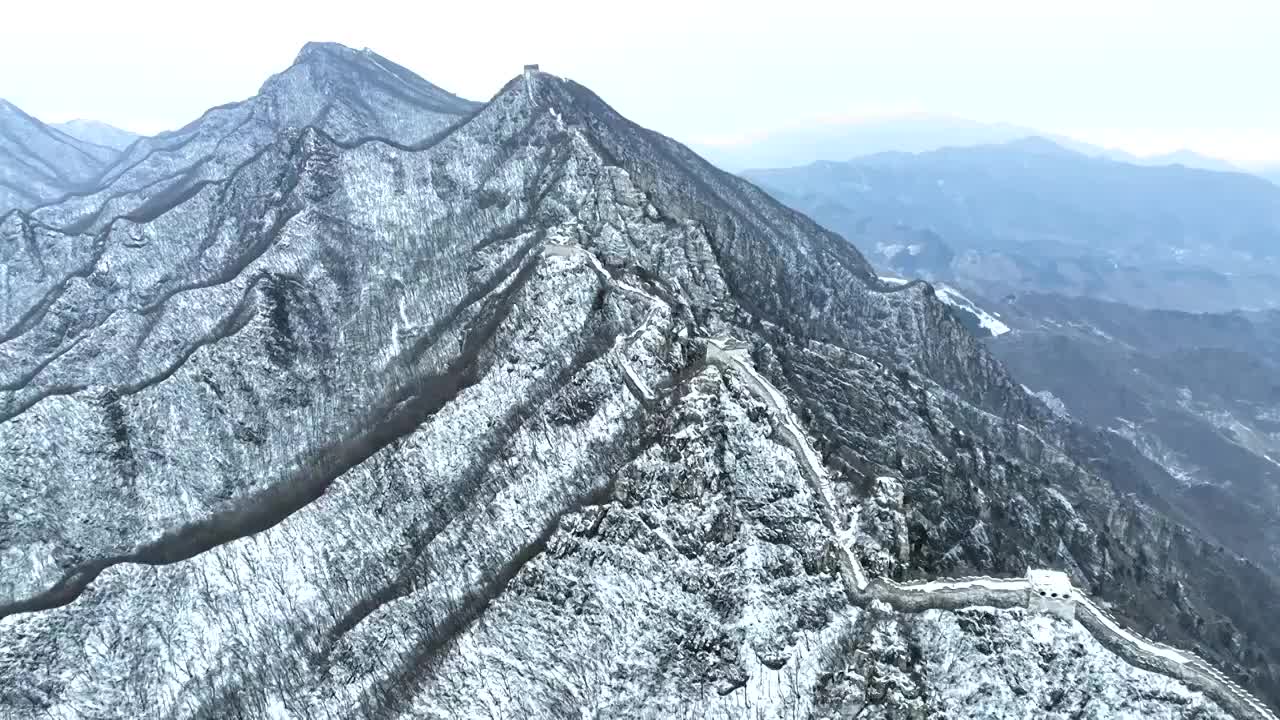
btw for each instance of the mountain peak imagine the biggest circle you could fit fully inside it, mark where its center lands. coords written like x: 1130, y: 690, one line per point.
x: 328, y: 70
x: 321, y: 49
x: 42, y: 162
x: 349, y: 94
x: 337, y: 57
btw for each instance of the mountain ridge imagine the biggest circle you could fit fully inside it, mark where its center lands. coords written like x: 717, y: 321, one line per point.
x: 98, y: 133
x: 842, y: 141
x: 409, y: 294
x: 338, y: 89
x: 39, y: 162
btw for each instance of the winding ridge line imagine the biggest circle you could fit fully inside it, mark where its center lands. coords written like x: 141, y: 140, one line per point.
x: 637, y: 386
x: 941, y: 593
x: 416, y: 399
x: 720, y: 353
x: 958, y: 593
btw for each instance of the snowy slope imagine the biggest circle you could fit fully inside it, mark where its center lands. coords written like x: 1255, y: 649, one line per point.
x: 990, y: 322
x: 987, y: 321
x: 984, y: 663
x: 340, y: 434
x: 98, y: 133
x: 348, y: 94
x: 38, y: 163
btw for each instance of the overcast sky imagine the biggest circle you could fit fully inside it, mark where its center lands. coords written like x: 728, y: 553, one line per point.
x: 1145, y: 75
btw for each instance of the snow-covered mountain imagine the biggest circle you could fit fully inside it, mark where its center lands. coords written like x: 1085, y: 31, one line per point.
x: 348, y: 94
x: 39, y: 163
x: 441, y: 425
x: 98, y: 133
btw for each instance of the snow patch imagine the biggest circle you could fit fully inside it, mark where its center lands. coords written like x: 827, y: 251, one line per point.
x: 949, y: 295
x: 1154, y: 450
x: 1051, y: 401
x: 956, y: 299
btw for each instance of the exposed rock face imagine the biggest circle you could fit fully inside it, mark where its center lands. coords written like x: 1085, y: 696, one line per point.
x: 336, y: 436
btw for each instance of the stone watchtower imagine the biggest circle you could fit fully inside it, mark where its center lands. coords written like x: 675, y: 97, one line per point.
x: 1051, y: 592
x: 530, y: 71
x: 727, y: 349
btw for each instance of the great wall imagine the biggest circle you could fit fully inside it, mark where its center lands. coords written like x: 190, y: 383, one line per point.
x: 1042, y: 590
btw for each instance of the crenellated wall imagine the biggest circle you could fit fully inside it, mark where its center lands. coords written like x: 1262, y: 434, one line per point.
x: 958, y: 593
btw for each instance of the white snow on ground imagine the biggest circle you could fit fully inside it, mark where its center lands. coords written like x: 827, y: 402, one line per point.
x: 1155, y: 451
x: 373, y: 58
x: 1007, y: 584
x: 1045, y: 667
x: 1041, y: 627
x: 888, y: 250
x: 768, y: 394
x: 624, y: 342
x: 764, y: 391
x: 1051, y: 401
x: 954, y: 298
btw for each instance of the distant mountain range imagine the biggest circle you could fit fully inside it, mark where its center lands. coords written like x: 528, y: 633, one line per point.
x: 98, y: 133
x: 1033, y: 215
x: 39, y: 163
x: 1185, y: 158
x: 839, y: 141
x: 357, y: 399
x: 1019, y: 224
x: 349, y: 94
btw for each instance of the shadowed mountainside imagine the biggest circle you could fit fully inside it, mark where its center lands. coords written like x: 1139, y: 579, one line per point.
x: 1031, y: 215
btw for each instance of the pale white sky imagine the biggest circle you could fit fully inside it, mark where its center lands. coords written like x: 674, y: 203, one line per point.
x: 1144, y: 75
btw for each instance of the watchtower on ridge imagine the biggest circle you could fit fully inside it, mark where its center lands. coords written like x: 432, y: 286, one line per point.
x: 1051, y: 592
x: 727, y: 349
